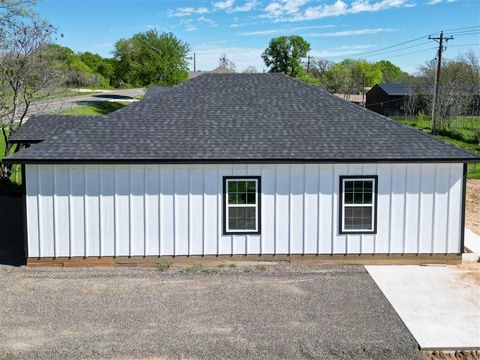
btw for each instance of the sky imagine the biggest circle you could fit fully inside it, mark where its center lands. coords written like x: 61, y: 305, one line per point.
x: 242, y: 29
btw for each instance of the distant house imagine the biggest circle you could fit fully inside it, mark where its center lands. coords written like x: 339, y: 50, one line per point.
x: 218, y: 70
x: 401, y: 99
x: 257, y: 165
x: 353, y: 98
x: 388, y: 99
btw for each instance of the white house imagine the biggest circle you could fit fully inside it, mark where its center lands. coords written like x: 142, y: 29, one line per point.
x: 240, y: 164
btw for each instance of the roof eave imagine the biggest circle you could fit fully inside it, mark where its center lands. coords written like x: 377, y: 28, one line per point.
x: 243, y: 161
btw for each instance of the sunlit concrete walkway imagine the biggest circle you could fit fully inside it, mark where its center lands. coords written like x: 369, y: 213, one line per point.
x: 440, y: 305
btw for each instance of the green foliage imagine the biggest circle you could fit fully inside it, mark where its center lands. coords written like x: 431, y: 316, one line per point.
x: 151, y: 58
x: 285, y: 53
x: 360, y: 71
x: 389, y: 71
x: 464, y: 133
x: 99, y: 65
x: 351, y: 76
x: 163, y: 267
x: 309, y: 79
x: 84, y: 69
x: 97, y: 108
x: 12, y: 185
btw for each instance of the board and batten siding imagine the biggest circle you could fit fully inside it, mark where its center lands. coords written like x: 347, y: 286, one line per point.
x: 141, y: 210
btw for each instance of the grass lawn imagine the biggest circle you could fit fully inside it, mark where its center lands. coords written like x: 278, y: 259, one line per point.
x: 96, y: 108
x: 461, y: 127
x: 463, y: 132
x: 70, y: 93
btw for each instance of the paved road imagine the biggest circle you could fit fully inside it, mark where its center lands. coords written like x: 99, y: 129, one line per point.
x: 273, y: 312
x: 68, y: 102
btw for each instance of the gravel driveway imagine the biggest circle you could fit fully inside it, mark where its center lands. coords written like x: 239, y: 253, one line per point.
x: 267, y: 312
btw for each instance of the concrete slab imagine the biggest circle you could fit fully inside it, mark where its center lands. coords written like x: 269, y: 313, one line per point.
x: 440, y: 305
x: 472, y: 241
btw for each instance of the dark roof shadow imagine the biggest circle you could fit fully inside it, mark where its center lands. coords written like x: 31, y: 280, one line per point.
x: 112, y: 97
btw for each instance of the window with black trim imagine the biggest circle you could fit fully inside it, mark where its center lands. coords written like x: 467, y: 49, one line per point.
x: 241, y: 213
x: 358, y: 204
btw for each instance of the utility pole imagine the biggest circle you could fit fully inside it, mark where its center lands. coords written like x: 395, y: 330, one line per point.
x: 194, y: 61
x: 363, y: 89
x: 436, y: 89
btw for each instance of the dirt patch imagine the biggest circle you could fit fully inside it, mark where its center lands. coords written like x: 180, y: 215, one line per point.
x: 472, y: 211
x: 457, y: 355
x: 468, y: 273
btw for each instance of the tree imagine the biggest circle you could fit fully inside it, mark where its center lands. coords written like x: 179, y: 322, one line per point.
x: 12, y: 10
x: 250, y: 70
x: 458, y: 88
x: 351, y: 76
x: 226, y: 63
x: 28, y: 74
x: 151, y: 58
x: 390, y: 72
x: 317, y: 69
x: 285, y: 54
x: 99, y: 65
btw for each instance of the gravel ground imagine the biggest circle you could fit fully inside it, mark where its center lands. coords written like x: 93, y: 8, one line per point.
x: 267, y: 312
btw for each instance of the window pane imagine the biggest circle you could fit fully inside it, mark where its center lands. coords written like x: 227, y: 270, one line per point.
x: 358, y: 198
x: 232, y: 198
x: 367, y: 216
x: 358, y: 186
x: 251, y: 186
x: 358, y: 218
x: 242, y: 198
x: 242, y: 186
x: 232, y: 186
x: 367, y: 198
x: 250, y: 212
x: 232, y: 223
x: 348, y: 186
x: 233, y: 212
x: 349, y: 198
x: 242, y: 218
x: 251, y: 224
x: 368, y: 186
x: 251, y: 198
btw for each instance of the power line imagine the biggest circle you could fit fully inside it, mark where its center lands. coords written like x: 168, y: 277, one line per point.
x: 396, y: 50
x: 391, y: 46
x: 461, y: 28
x: 460, y: 45
x: 470, y: 30
x: 412, y: 52
x: 466, y: 34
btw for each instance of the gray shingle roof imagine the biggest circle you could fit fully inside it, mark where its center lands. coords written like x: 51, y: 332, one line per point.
x: 395, y: 89
x: 40, y: 127
x: 242, y: 117
x: 154, y: 91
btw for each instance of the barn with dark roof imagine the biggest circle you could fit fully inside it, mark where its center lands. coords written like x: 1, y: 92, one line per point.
x: 240, y: 165
x: 388, y: 99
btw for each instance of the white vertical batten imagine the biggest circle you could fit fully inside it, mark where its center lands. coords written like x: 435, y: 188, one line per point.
x: 301, y: 216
